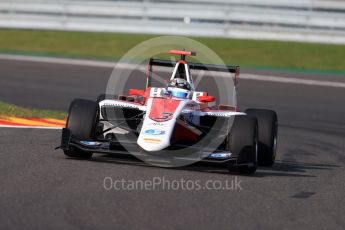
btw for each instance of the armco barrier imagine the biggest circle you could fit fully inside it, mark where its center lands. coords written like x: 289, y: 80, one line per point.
x: 294, y: 20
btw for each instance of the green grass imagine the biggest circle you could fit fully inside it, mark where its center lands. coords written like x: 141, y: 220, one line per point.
x: 111, y: 46
x: 7, y: 109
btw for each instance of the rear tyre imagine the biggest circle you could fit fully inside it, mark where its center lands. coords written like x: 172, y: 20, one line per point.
x: 81, y: 121
x: 243, y: 139
x: 268, y: 131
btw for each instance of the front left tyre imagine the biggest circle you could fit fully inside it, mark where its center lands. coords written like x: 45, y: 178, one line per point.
x: 82, y: 119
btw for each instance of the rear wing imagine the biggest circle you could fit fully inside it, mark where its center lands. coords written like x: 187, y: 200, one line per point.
x: 195, y: 66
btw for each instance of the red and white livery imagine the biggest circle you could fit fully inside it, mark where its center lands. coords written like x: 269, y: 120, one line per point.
x: 173, y: 122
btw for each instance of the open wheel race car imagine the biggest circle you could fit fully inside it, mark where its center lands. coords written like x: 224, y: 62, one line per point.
x: 155, y: 120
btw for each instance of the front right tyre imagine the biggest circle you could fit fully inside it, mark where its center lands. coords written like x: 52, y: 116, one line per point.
x: 243, y: 142
x: 81, y: 121
x: 268, y: 132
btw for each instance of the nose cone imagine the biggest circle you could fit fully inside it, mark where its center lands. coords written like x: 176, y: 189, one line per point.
x: 154, y: 139
x: 152, y: 144
x: 159, y: 123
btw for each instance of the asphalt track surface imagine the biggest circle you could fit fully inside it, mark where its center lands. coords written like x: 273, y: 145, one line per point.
x: 42, y: 189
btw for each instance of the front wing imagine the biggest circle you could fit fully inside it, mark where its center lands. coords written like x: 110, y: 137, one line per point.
x: 121, y: 147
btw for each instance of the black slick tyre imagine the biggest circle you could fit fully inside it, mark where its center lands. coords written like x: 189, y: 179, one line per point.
x: 242, y: 140
x: 81, y: 121
x: 268, y: 131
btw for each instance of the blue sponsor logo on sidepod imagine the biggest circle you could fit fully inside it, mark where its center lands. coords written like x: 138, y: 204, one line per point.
x: 154, y: 132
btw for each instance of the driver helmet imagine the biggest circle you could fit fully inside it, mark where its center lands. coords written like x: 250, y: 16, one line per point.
x: 179, y: 87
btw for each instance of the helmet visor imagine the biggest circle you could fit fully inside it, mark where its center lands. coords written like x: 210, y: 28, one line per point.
x: 179, y: 94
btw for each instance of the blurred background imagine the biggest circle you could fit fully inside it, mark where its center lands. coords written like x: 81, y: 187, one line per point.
x: 286, y: 20
x: 284, y: 34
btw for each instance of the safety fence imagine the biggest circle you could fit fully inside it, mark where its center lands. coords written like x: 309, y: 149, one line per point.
x: 295, y: 20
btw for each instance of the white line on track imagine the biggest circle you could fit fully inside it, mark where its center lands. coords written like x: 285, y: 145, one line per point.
x: 53, y: 60
x: 291, y: 80
x: 92, y: 63
x: 29, y: 127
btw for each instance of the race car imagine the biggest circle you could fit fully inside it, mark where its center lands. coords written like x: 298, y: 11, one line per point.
x: 173, y: 123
